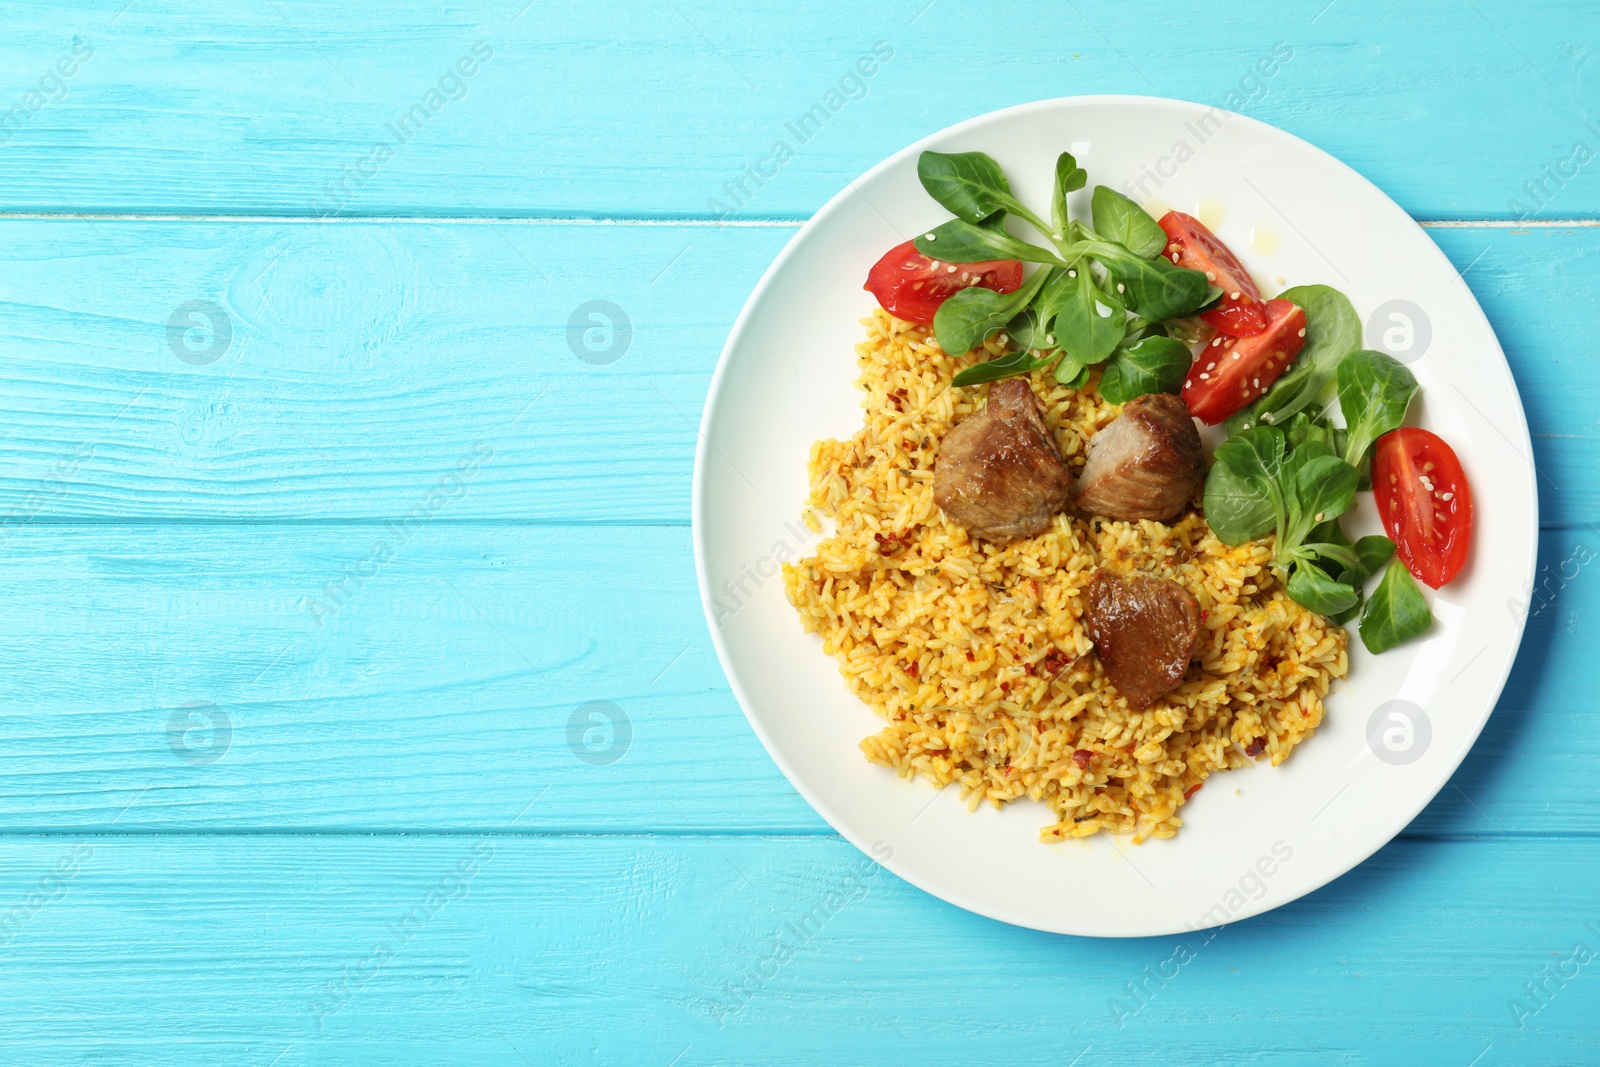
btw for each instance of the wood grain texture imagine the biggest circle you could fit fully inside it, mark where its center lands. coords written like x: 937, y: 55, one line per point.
x: 734, y: 951
x: 246, y: 107
x: 366, y: 359
x: 398, y: 855
x: 440, y: 695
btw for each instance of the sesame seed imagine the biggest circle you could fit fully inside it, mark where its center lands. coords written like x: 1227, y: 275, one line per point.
x: 1319, y: 516
x: 1121, y: 288
x: 1446, y: 496
x: 1055, y: 237
x: 1302, y: 331
x: 1211, y: 275
x: 1218, y: 341
x: 952, y: 269
x: 1233, y: 295
x: 1210, y: 366
x: 1256, y: 382
x: 1205, y: 377
x: 1072, y: 274
x: 1428, y: 466
x: 930, y: 237
x: 1174, y: 257
x: 916, y: 285
x: 935, y: 264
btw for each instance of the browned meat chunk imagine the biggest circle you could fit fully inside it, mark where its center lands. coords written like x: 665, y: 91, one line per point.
x: 998, y: 473
x: 1146, y: 464
x: 1144, y: 631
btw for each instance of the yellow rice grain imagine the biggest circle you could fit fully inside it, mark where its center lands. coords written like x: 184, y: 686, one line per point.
x: 976, y: 654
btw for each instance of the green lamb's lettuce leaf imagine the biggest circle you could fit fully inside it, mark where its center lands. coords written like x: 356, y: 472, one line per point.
x: 1069, y: 178
x: 970, y: 185
x: 960, y: 241
x: 968, y: 317
x: 1375, y: 390
x: 1149, y: 365
x: 1086, y: 322
x: 1155, y: 288
x: 1116, y: 218
x: 1312, y: 587
x: 1008, y: 365
x: 1238, y: 508
x: 1396, y: 612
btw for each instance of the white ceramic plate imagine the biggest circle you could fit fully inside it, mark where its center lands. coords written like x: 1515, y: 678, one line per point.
x: 1254, y: 838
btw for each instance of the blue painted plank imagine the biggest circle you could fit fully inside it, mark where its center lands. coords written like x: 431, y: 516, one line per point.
x: 301, y: 107
x: 461, y: 673
x: 365, y: 360
x: 756, y: 952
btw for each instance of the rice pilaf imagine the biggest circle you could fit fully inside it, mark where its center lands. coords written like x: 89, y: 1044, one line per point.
x: 977, y: 654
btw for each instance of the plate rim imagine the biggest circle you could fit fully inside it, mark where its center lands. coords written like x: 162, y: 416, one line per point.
x: 719, y: 375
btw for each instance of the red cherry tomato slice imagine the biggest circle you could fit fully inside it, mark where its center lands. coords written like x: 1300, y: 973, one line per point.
x: 1190, y: 244
x: 1425, y: 503
x: 911, y: 286
x: 1233, y: 371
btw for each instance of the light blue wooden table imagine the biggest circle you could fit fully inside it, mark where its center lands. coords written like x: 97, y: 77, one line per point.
x: 320, y: 541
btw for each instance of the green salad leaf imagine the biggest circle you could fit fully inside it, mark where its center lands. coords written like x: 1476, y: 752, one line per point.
x: 1312, y: 587
x: 1155, y: 288
x: 1008, y: 365
x: 1148, y: 365
x: 1375, y: 390
x: 1085, y: 321
x: 960, y: 241
x: 970, y: 185
x: 1396, y: 612
x: 1116, y: 218
x: 1069, y: 178
x: 968, y: 317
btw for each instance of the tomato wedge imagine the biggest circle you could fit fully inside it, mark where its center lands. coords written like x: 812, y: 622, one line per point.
x: 1233, y: 371
x: 1190, y: 244
x: 1425, y: 503
x: 911, y: 286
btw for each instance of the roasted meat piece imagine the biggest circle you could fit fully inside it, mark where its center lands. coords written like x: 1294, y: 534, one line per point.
x: 1145, y: 465
x: 1144, y: 631
x: 998, y: 473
